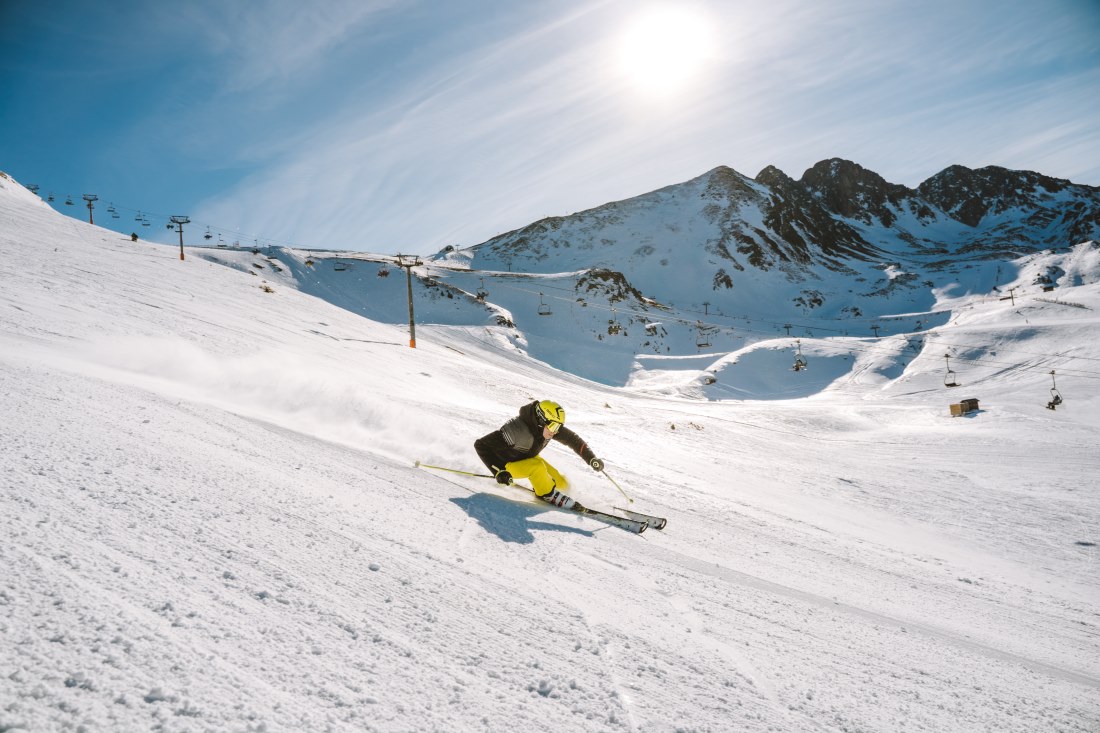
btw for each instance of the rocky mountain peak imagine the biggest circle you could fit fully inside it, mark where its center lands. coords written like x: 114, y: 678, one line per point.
x: 774, y: 178
x: 969, y: 195
x: 852, y: 191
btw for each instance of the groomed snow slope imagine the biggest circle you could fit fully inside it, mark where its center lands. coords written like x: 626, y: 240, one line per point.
x: 212, y: 522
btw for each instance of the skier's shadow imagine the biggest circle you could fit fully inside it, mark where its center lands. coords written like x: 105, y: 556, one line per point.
x: 509, y: 520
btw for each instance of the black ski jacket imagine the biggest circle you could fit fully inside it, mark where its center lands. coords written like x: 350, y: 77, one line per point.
x: 521, y: 437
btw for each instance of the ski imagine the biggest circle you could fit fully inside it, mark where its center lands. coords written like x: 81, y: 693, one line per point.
x: 637, y: 526
x: 654, y: 522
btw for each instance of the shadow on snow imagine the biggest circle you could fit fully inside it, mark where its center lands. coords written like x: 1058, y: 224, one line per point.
x: 510, y: 520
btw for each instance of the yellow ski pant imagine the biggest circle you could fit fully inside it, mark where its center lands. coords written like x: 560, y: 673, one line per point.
x: 544, y: 477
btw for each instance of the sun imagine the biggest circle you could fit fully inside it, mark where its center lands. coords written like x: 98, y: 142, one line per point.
x: 664, y: 50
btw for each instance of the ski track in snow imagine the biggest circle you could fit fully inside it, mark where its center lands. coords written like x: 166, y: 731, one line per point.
x: 212, y: 521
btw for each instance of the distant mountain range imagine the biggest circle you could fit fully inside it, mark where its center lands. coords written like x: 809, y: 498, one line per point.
x: 837, y: 212
x: 723, y: 260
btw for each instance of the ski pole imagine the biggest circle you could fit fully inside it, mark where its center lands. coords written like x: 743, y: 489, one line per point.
x: 453, y: 470
x: 620, y: 488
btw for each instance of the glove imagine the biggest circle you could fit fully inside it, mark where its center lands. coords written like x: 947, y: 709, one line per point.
x: 597, y: 464
x: 504, y: 478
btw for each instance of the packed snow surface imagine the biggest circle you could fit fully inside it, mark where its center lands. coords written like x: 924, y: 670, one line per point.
x: 213, y: 521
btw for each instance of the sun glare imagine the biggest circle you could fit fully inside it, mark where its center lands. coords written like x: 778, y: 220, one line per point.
x: 665, y: 50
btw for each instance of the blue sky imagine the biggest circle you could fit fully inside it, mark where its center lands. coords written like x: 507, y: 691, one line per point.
x: 404, y: 126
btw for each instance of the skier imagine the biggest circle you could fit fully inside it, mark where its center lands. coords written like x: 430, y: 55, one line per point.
x: 513, y: 451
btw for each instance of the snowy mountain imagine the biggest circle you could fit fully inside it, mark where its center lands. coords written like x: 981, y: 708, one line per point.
x: 213, y: 520
x: 723, y: 261
x: 836, y: 212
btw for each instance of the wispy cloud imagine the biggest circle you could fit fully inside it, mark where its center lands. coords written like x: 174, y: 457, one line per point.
x: 280, y: 40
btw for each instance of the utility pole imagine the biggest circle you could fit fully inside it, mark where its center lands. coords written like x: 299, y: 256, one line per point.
x: 179, y: 221
x: 409, y: 262
x: 90, y: 197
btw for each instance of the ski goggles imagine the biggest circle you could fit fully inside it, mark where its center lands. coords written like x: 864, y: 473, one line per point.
x: 553, y: 427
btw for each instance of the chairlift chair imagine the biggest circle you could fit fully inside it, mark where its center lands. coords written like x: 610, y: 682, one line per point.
x: 1055, y: 396
x: 208, y: 235
x: 383, y: 271
x: 68, y: 200
x: 614, y: 328
x: 544, y: 308
x: 339, y: 266
x: 702, y: 341
x: 482, y: 293
x: 949, y: 378
x: 799, y: 360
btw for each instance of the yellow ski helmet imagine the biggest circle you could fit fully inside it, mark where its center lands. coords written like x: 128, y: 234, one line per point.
x: 550, y: 414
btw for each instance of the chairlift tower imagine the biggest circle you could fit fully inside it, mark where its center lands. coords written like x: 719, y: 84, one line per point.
x: 179, y: 221
x: 1011, y: 294
x: 90, y: 198
x: 409, y: 262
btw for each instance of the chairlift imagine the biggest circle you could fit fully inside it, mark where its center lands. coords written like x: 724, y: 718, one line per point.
x: 702, y: 340
x: 482, y: 293
x: 544, y: 308
x: 339, y: 266
x: 614, y: 328
x: 68, y: 200
x: 208, y: 235
x: 50, y: 197
x: 145, y: 222
x: 1055, y: 396
x: 137, y: 216
x: 383, y: 271
x: 949, y: 378
x: 799, y: 360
